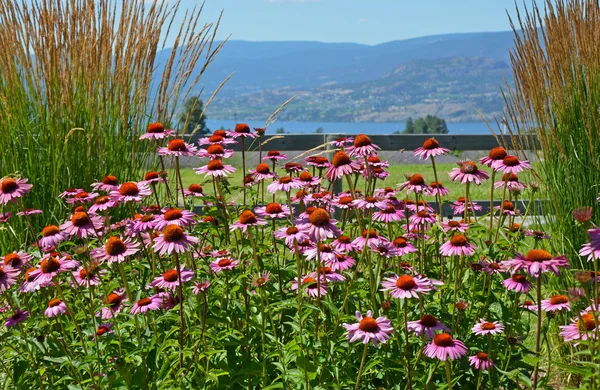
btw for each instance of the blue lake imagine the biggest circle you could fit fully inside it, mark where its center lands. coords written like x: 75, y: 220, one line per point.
x: 347, y: 128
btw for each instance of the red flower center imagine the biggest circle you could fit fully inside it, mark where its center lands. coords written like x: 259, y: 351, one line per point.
x: 115, y: 246
x: 27, y: 274
x: 110, y: 180
x: 144, y: 302
x: 129, y: 189
x: 510, y: 177
x: 428, y: 321
x: 170, y: 276
x: 260, y: 281
x: 389, y: 210
x: 285, y: 180
x: 80, y: 219
x: 172, y: 214
x: 400, y: 242
x: 319, y: 217
x: 508, y: 206
x: 344, y: 200
x: 151, y: 175
x: 538, y: 255
x: 436, y: 184
x: 9, y: 185
x: 242, y: 128
x: 362, y: 140
x: 220, y: 133
x: 215, y: 138
x: 224, y: 262
x: 101, y: 330
x: 406, y: 282
x: 292, y: 230
x: 482, y: 356
x: 587, y: 323
x: 215, y: 149
x: 497, y: 153
x: 468, y: 167
x: 13, y: 259
x: 453, y: 224
x: 373, y: 159
x: 495, y: 266
x: 273, y: 208
x: 263, y: 168
x: 147, y: 218
x: 558, y: 300
x: 423, y: 214
x: 458, y: 240
x: 173, y: 233
x: 443, y: 340
x: 431, y: 143
x: 247, y: 217
x: 344, y: 239
x: 416, y: 180
x: 50, y: 230
x: 195, y: 188
x: 177, y: 145
x: 54, y: 302
x: 511, y: 161
x: 273, y: 153
x: 368, y: 324
x: 81, y: 195
x: 488, y: 326
x: 371, y: 233
x: 306, y: 176
x: 519, y: 278
x: 102, y: 200
x: 215, y: 165
x: 113, y: 300
x: 340, y: 158
x: 155, y: 128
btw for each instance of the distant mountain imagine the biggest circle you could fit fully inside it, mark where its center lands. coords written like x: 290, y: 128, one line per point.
x: 266, y: 72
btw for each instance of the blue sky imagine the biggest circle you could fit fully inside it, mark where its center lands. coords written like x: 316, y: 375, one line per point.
x: 367, y: 21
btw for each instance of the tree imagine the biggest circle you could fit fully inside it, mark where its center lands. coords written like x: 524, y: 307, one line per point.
x: 319, y: 130
x: 410, y: 127
x: 429, y: 125
x: 280, y: 130
x: 192, y: 118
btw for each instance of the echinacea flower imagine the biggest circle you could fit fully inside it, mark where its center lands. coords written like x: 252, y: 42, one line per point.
x: 145, y: 304
x: 362, y: 146
x: 109, y: 183
x: 507, y: 208
x: 581, y: 328
x: 8, y: 276
x: 273, y: 210
x: 82, y: 197
x: 104, y: 329
x: 317, y: 162
x: 215, y: 151
x: 216, y: 139
x: 341, y: 165
x: 194, y: 190
x: 310, y: 285
x: 284, y: 184
x: 177, y: 147
x: 458, y: 245
x: 529, y: 305
x: 55, y: 307
x: 13, y: 189
x: 114, y: 304
x: 388, y: 214
x: 156, y: 131
x: 170, y: 279
x: 247, y: 219
x: 406, y: 286
x: 342, y: 142
x: 402, y: 246
x: 173, y: 240
x: 481, y: 361
x: 592, y: 248
x: 537, y: 234
x: 325, y: 251
x: 583, y: 214
x: 17, y: 318
x: 103, y: 203
x: 290, y: 234
x: 340, y: 263
x: 174, y: 216
x: 260, y: 280
x: 511, y: 164
x: 428, y: 325
x: 369, y: 329
x: 320, y: 226
x: 511, y: 181
x: 536, y: 262
x: 275, y: 155
x: 18, y: 259
x: 223, y: 264
x: 88, y: 276
x: 330, y: 275
x: 143, y: 223
x: 200, y: 287
x: 263, y: 172
x: 422, y: 218
x: 485, y: 327
x: 131, y: 192
x: 416, y: 184
x: 468, y: 172
x: 430, y: 148
x: 344, y: 244
x: 215, y: 168
x: 72, y: 192
x: 115, y: 250
x: 82, y: 225
x: 306, y: 179
x: 28, y: 212
x: 454, y: 226
x: 556, y: 303
x: 4, y: 217
x: 444, y: 347
x: 50, y: 266
x: 496, y: 154
x: 241, y: 130
x: 437, y: 188
x: 518, y: 283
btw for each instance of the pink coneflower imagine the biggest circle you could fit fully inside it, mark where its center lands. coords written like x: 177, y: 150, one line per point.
x: 518, y: 283
x: 275, y: 155
x: 511, y: 164
x: 310, y: 285
x: 454, y: 226
x: 430, y: 148
x: 260, y: 280
x: 290, y: 234
x: 508, y: 208
x: 143, y: 223
x: 330, y: 275
x: 385, y: 192
x: 320, y: 226
x: 82, y: 197
x: 428, y: 324
x: 556, y: 303
x: 152, y: 178
x: 368, y: 237
x: 215, y: 168
x: 115, y: 250
x: 535, y: 262
x: 263, y: 172
x: 406, y: 286
x: 341, y: 263
x: 444, y: 347
x: 581, y: 328
x: 145, y: 304
x: 341, y: 165
x: 12, y: 189
x: 131, y: 192
x: 388, y: 214
x: 114, y: 304
x: 344, y: 244
x: 537, y: 234
x: 342, y: 142
x: 369, y: 329
x: 88, y: 276
x: 28, y: 212
x: 170, y: 279
x: 422, y: 218
x: 71, y: 192
x: 306, y: 179
x: 402, y: 246
x: 416, y: 184
x: 103, y: 329
x: 50, y: 266
x: 368, y: 202
x: 82, y: 225
x: 103, y: 203
x: 362, y: 146
x: 173, y: 240
x: 30, y: 284
x: 177, y: 147
x: 174, y: 216
x: 8, y: 276
x: 273, y: 210
x: 224, y: 264
x: 247, y: 218
x: 496, y: 154
x: 200, y: 287
x: 592, y: 248
x: 583, y: 214
x: 216, y: 139
x: 215, y: 151
x: 17, y: 259
x: 284, y: 184
x: 511, y: 181
x: 529, y: 305
x: 343, y: 201
x: 4, y: 217
x: 468, y: 172
x: 241, y: 130
x: 16, y: 318
x: 437, y: 188
x: 109, y: 183
x: 481, y: 361
x: 194, y: 190
x: 156, y: 131
x: 317, y: 161
x: 325, y: 251
x: 55, y: 307
x: 457, y: 246
x: 485, y: 327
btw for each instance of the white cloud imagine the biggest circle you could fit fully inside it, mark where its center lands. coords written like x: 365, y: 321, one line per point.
x: 362, y: 20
